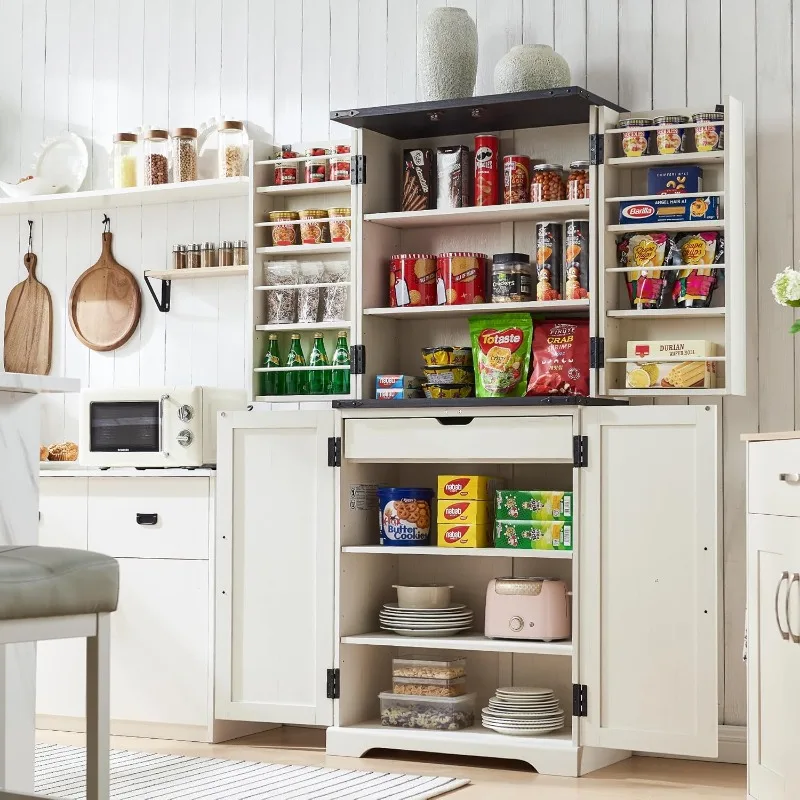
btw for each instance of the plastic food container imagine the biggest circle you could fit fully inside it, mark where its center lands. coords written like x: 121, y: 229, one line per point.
x: 669, y: 139
x: 423, y: 664
x: 447, y: 356
x: 428, y: 713
x: 431, y: 595
x: 405, y: 516
x: 711, y: 136
x: 314, y: 226
x: 430, y: 687
x: 287, y: 234
x: 511, y: 278
x: 578, y: 181
x: 547, y: 183
x: 635, y: 142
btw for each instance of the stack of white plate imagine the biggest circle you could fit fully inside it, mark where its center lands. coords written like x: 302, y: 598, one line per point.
x: 457, y: 618
x: 523, y: 711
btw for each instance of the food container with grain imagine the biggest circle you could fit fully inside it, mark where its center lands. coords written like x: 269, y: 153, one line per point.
x: 447, y: 356
x: 339, y: 220
x: 183, y: 146
x: 314, y: 226
x: 286, y: 171
x: 547, y: 183
x: 125, y: 160
x: 208, y: 255
x: 578, y: 181
x: 156, y: 161
x: 340, y: 167
x: 334, y: 304
x: 635, y: 141
x: 194, y: 256
x: 232, y: 149
x: 412, y: 280
x: 425, y: 664
x: 460, y: 278
x: 240, y: 253
x: 286, y: 233
x: 426, y: 595
x: 511, y: 278
x: 404, y: 516
x: 428, y: 713
x: 225, y: 254
x: 316, y: 168
x: 430, y: 687
x: 670, y: 134
x: 309, y: 293
x: 179, y: 256
x: 281, y: 303
x: 710, y: 133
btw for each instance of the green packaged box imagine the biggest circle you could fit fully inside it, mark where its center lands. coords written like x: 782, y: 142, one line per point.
x: 547, y: 506
x: 532, y: 534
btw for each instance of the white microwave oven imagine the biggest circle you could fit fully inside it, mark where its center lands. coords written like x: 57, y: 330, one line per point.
x: 162, y: 426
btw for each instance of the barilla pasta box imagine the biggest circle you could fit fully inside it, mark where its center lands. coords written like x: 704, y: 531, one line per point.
x: 467, y: 487
x: 674, y: 180
x: 533, y: 534
x: 470, y: 512
x: 396, y: 382
x: 676, y: 209
x: 461, y: 535
x: 547, y: 506
x: 675, y: 364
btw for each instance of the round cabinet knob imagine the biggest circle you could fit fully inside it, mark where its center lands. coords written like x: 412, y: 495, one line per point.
x: 516, y: 624
x: 185, y: 413
x: 185, y: 438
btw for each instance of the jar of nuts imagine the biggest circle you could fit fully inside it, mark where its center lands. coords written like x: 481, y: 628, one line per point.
x: 578, y: 181
x: 183, y: 145
x: 547, y: 183
x: 156, y: 164
x: 232, y: 150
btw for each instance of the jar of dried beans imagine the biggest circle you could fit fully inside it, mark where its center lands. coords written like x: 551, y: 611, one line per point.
x: 547, y: 183
x: 156, y: 163
x: 125, y: 160
x: 232, y: 149
x: 184, y: 154
x: 578, y: 181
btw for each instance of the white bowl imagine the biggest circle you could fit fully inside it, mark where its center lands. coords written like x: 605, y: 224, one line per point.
x: 30, y: 188
x: 431, y: 595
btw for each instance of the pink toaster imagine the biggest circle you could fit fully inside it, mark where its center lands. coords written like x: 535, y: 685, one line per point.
x: 527, y: 608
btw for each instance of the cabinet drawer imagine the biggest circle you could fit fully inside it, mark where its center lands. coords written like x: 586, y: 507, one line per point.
x: 150, y: 517
x: 767, y: 492
x: 438, y: 439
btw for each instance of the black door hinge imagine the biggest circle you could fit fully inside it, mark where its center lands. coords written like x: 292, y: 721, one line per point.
x: 580, y: 451
x: 597, y: 352
x: 332, y: 684
x: 358, y: 169
x: 334, y: 451
x: 596, y: 149
x: 358, y: 359
x: 579, y: 706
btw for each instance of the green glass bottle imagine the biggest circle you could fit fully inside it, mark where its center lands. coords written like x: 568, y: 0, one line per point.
x: 296, y: 379
x: 273, y: 383
x: 340, y: 383
x: 319, y: 381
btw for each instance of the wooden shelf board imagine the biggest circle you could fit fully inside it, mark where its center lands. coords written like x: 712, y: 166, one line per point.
x: 667, y: 313
x: 285, y: 286
x: 307, y: 188
x: 469, y: 641
x: 711, y: 157
x: 442, y: 312
x: 304, y: 249
x: 490, y: 552
x: 661, y: 360
x: 697, y: 225
x: 190, y: 274
x: 306, y: 326
x: 634, y: 393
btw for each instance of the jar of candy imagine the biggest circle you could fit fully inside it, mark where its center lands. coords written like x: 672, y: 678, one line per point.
x: 316, y: 168
x: 578, y: 181
x: 669, y: 138
x: 635, y: 142
x: 547, y: 183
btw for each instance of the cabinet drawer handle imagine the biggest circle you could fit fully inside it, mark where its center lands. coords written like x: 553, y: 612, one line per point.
x: 152, y: 519
x: 784, y: 577
x: 795, y: 637
x: 789, y: 477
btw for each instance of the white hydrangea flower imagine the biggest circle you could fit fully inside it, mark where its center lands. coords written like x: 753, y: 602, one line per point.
x: 786, y: 288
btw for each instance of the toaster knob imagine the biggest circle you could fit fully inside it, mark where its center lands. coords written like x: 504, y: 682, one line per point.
x: 185, y: 438
x: 516, y: 624
x: 185, y: 413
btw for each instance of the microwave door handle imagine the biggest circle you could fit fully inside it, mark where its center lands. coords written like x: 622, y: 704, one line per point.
x: 161, y: 425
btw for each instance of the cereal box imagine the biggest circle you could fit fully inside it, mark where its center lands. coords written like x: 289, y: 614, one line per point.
x: 464, y: 535
x: 469, y: 512
x: 467, y: 487
x: 547, y: 506
x: 671, y: 365
x: 533, y: 535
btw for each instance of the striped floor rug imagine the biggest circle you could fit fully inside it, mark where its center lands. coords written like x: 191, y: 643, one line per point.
x: 146, y: 776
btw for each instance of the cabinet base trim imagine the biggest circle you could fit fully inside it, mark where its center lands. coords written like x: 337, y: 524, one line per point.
x: 732, y: 747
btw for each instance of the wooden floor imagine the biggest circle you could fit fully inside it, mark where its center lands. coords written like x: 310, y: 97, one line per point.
x: 636, y: 778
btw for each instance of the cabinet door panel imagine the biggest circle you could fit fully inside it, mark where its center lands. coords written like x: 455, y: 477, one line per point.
x: 275, y: 557
x: 648, y: 579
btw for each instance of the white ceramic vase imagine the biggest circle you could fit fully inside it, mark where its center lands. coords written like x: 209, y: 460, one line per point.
x: 529, y: 68
x: 447, y: 57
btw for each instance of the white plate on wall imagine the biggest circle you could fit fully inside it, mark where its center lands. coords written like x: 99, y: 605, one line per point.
x: 30, y: 188
x: 62, y: 160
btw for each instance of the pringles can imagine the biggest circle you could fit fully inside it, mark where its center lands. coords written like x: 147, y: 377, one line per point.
x: 548, y: 261
x: 576, y: 259
x: 487, y: 170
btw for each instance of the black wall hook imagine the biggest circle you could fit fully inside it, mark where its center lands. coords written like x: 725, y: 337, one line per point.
x: 106, y: 223
x: 30, y: 236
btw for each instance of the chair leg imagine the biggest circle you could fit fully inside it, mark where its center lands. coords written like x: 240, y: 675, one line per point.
x: 98, y: 711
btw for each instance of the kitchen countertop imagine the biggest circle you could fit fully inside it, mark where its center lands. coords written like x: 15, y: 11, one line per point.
x: 16, y: 382
x: 770, y: 437
x: 73, y: 470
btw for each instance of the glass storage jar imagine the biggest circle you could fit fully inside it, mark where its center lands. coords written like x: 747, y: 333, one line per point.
x: 184, y: 154
x: 179, y: 256
x: 208, y: 255
x: 240, y: 253
x: 512, y: 280
x: 226, y: 254
x: 231, y: 150
x: 126, y: 160
x: 193, y: 260
x: 156, y: 162
x: 547, y: 183
x: 578, y: 181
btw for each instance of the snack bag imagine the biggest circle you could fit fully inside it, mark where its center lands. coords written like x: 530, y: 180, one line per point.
x: 501, y: 351
x: 647, y: 253
x: 695, y: 284
x: 560, y: 359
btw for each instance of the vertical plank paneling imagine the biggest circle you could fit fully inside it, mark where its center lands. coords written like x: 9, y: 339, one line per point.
x: 570, y: 37
x: 602, y: 48
x: 315, y: 86
x: 152, y: 328
x: 11, y: 89
x: 401, y: 52
x: 234, y: 59
x: 260, y: 66
x: 670, y: 63
x: 81, y: 67
x: 178, y: 358
x: 343, y: 90
x: 703, y: 53
x: 155, y: 99
x: 104, y: 97
x: 635, y: 54
x: 499, y: 29
x: 130, y: 65
x: 288, y: 73
x: 33, y: 77
x: 538, y: 21
x: 205, y: 301
x: 128, y: 252
x: 56, y: 68
x: 9, y: 258
x: 181, y: 63
x: 372, y: 20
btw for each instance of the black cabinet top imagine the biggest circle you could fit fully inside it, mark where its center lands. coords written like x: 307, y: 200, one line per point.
x: 481, y: 402
x: 497, y: 112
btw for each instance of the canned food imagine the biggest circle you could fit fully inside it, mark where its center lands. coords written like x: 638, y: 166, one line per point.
x: 412, y: 280
x: 548, y: 260
x: 286, y: 173
x: 711, y: 136
x: 339, y: 224
x: 447, y: 356
x: 487, y: 178
x: 547, y: 183
x: 314, y: 226
x: 284, y: 234
x: 316, y: 170
x: 635, y: 142
x: 576, y: 259
x: 516, y: 179
x: 449, y: 374
x: 460, y: 278
x: 404, y: 516
x: 670, y: 139
x: 578, y: 181
x: 340, y: 167
x: 448, y: 391
x: 511, y: 277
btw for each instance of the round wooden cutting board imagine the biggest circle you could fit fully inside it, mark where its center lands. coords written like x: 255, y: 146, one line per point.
x: 105, y: 303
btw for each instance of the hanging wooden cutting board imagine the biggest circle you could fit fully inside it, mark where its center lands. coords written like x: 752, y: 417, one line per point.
x: 105, y: 303
x: 28, y: 342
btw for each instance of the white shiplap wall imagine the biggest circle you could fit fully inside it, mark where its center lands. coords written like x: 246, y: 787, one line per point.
x: 97, y: 66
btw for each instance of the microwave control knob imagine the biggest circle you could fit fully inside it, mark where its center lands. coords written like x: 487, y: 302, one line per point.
x: 185, y: 413
x: 185, y: 438
x: 516, y: 624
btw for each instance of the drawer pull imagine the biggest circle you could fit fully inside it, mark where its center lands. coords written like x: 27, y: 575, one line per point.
x: 795, y: 579
x: 152, y: 519
x: 789, y: 477
x: 784, y: 577
x: 454, y: 420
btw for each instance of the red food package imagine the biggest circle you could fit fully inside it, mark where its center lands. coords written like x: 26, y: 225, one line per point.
x: 560, y: 358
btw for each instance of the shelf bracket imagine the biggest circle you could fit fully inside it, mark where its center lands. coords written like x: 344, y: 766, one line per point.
x: 166, y: 292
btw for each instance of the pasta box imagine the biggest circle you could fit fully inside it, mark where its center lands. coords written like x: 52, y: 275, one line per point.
x: 674, y: 180
x: 673, y: 364
x: 533, y: 534
x: 547, y: 506
x: 676, y: 209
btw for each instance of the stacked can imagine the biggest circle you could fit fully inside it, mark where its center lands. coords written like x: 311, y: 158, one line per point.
x: 562, y: 260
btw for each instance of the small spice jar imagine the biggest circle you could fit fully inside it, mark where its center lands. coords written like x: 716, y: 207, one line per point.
x: 635, y: 142
x: 316, y: 168
x: 183, y: 145
x: 314, y: 226
x: 231, y: 151
x: 578, y: 181
x: 669, y: 139
x: 240, y: 253
x: 208, y: 255
x: 286, y: 233
x: 179, y: 257
x: 225, y: 254
x: 125, y: 160
x: 710, y: 132
x: 340, y: 167
x: 339, y: 224
x: 193, y: 257
x: 547, y: 183
x: 286, y: 172
x: 511, y: 278
x: 156, y: 163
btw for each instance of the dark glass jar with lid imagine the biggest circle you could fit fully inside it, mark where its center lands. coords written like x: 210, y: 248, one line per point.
x: 511, y: 278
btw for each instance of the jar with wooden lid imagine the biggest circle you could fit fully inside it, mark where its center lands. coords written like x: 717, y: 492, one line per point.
x: 547, y: 183
x: 578, y: 181
x: 126, y: 160
x: 156, y: 160
x: 232, y: 149
x: 183, y: 145
x: 193, y: 259
x: 226, y: 254
x: 286, y: 233
x: 208, y: 255
x: 240, y: 258
x: 179, y: 256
